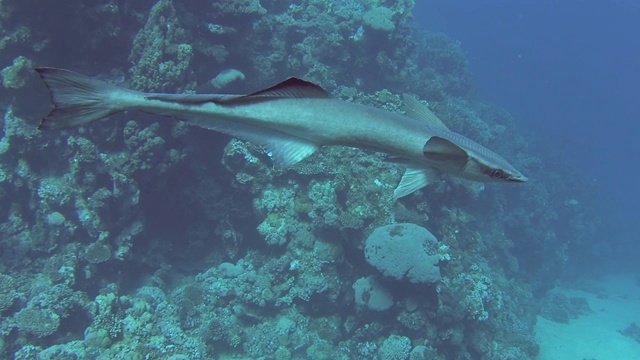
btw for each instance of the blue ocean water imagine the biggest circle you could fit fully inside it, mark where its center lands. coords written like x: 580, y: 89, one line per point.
x: 139, y: 236
x: 568, y: 71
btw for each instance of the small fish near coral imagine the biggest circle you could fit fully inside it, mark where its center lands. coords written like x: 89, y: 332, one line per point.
x: 291, y: 121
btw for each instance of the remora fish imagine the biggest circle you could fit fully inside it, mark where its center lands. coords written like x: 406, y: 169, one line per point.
x: 291, y: 120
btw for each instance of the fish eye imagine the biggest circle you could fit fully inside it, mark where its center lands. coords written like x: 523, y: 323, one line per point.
x: 497, y: 173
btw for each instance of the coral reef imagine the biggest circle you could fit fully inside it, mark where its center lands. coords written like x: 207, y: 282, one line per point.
x: 379, y: 18
x: 370, y: 294
x: 38, y: 322
x: 14, y: 76
x: 226, y: 77
x: 7, y: 292
x: 160, y: 51
x: 142, y: 238
x: 632, y: 331
x: 560, y: 308
x: 404, y: 251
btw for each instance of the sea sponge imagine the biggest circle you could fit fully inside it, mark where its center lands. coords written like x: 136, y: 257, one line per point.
x: 404, y: 251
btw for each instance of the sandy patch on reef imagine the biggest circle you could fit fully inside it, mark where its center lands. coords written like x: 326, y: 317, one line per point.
x: 615, y: 301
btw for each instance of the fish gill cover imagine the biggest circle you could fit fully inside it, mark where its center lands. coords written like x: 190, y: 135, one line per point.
x: 145, y: 238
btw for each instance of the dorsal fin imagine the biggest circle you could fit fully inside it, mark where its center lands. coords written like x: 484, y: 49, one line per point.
x: 291, y: 88
x: 288, y: 89
x: 417, y: 110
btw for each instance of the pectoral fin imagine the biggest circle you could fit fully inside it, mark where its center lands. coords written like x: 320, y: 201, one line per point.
x: 285, y: 150
x: 445, y: 153
x: 289, y: 151
x: 415, y: 179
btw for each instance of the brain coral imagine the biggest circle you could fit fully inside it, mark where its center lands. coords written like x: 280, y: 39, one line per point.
x: 97, y: 252
x: 7, y: 291
x: 403, y: 251
x: 38, y: 322
x: 370, y: 294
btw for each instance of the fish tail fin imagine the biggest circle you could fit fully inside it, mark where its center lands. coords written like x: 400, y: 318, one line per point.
x: 77, y: 99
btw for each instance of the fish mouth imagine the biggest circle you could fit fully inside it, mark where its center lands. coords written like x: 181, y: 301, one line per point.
x: 518, y: 179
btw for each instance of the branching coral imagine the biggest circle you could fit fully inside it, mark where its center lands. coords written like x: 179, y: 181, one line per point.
x: 15, y: 76
x: 160, y: 53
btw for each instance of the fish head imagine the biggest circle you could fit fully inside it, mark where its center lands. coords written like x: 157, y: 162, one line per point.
x: 496, y: 170
x: 465, y: 158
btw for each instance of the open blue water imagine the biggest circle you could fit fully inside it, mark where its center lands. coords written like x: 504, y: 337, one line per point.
x: 569, y: 72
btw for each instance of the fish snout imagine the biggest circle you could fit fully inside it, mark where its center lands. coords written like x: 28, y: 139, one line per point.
x: 519, y: 178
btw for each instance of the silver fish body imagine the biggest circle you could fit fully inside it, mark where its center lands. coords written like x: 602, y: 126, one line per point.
x: 291, y: 120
